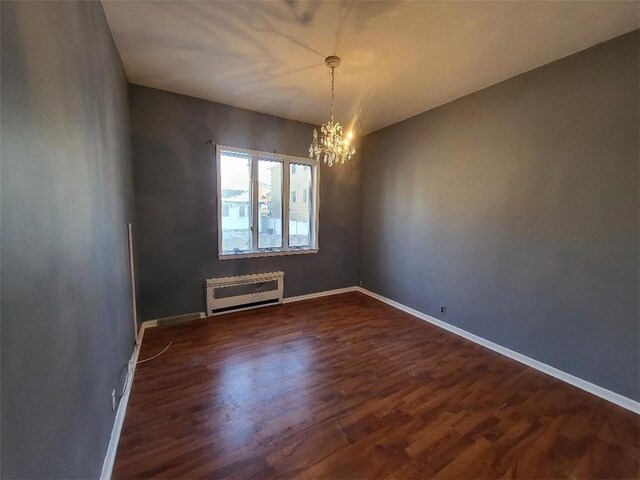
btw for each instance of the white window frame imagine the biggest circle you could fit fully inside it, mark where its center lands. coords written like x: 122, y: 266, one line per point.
x: 314, y: 198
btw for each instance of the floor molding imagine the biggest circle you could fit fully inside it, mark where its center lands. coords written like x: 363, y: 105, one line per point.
x: 319, y: 294
x: 110, y: 457
x: 175, y: 319
x: 601, y: 392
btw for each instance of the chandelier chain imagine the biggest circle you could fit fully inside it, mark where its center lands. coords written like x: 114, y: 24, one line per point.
x: 333, y: 81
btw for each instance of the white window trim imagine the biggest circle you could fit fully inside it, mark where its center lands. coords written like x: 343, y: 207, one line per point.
x: 314, y: 197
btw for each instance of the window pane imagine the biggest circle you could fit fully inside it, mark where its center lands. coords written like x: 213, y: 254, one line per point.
x: 270, y: 204
x: 299, y: 212
x: 235, y: 189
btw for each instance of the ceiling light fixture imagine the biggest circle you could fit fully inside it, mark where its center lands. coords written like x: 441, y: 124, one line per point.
x: 334, y: 146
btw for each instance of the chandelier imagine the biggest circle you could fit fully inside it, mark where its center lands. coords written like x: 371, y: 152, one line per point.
x: 334, y: 146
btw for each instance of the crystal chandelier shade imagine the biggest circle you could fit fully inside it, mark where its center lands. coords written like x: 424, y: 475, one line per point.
x: 333, y: 146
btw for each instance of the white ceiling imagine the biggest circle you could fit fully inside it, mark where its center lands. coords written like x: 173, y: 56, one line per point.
x: 398, y: 58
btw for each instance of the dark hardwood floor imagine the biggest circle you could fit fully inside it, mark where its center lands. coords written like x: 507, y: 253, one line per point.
x: 348, y: 387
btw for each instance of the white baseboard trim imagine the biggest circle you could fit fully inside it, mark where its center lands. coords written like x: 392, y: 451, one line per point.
x: 601, y: 392
x: 157, y: 321
x: 110, y: 457
x: 319, y: 294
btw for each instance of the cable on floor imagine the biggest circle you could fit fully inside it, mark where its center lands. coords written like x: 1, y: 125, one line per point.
x: 155, y: 356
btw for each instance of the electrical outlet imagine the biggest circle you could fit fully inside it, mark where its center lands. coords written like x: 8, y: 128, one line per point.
x: 443, y: 309
x: 113, y: 400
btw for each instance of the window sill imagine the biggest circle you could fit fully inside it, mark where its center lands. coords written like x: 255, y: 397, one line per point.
x: 266, y: 253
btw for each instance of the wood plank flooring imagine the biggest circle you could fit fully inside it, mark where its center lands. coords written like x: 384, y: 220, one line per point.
x: 348, y: 387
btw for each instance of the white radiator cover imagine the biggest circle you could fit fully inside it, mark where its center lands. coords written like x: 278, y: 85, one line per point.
x: 215, y: 286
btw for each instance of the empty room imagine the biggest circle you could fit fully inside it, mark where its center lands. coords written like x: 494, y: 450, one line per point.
x: 319, y: 239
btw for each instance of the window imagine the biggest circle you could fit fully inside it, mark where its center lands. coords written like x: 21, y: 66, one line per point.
x: 300, y: 213
x: 259, y: 212
x: 235, y: 191
x: 270, y: 204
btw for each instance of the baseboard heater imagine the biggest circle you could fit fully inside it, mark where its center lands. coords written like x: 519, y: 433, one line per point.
x: 245, y: 291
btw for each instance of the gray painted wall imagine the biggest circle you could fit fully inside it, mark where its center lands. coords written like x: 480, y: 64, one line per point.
x: 175, y: 193
x: 66, y: 198
x: 517, y: 208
